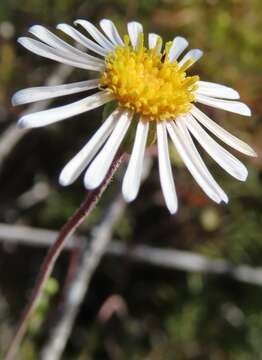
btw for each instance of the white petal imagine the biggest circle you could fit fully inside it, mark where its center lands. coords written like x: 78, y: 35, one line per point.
x: 153, y: 39
x: 134, y: 29
x: 100, y: 165
x: 51, y: 39
x: 33, y: 94
x: 232, y: 106
x: 165, y: 171
x: 56, y: 54
x: 51, y: 116
x: 193, y: 166
x: 132, y: 178
x: 83, y: 40
x: 111, y: 31
x: 221, y: 133
x: 226, y: 160
x: 194, y: 55
x: 178, y: 46
x: 196, y: 158
x: 96, y: 34
x: 216, y: 90
x: 75, y: 166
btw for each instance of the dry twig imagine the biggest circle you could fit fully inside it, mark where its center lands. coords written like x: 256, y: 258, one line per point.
x: 12, y: 135
x: 79, y: 286
x: 167, y: 258
x: 48, y: 264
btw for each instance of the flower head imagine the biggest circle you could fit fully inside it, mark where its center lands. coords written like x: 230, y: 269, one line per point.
x: 146, y: 82
x: 151, y: 88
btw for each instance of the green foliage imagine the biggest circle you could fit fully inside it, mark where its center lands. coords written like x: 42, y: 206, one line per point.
x: 171, y: 315
x: 50, y: 290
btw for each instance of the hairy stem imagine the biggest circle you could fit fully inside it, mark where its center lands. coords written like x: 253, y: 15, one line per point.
x: 48, y: 264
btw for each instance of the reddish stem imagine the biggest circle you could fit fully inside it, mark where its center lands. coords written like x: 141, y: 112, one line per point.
x: 74, y: 259
x: 48, y: 264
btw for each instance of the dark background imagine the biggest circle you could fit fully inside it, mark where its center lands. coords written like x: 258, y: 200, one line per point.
x: 169, y: 314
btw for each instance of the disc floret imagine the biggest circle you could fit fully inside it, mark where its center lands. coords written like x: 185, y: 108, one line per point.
x: 144, y: 81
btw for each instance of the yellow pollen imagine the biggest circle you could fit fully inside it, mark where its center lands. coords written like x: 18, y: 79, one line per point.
x: 144, y: 81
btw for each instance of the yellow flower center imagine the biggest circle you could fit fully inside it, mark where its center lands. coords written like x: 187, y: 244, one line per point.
x: 144, y: 81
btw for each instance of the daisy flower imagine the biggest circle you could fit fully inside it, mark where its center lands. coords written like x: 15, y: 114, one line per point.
x: 155, y: 99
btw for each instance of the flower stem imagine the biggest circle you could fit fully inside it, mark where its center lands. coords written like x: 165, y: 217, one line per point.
x: 48, y: 264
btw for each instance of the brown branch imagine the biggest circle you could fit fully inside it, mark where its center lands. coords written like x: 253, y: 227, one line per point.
x: 12, y: 135
x: 80, y: 283
x: 170, y: 259
x: 69, y: 228
x: 77, y: 286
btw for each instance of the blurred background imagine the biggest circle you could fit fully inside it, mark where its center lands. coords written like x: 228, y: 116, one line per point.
x: 174, y: 301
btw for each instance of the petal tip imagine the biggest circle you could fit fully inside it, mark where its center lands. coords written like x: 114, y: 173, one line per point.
x: 89, y: 183
x: 243, y: 177
x: 246, y: 110
x: 182, y: 40
x: 63, y: 179
x: 104, y: 21
x: 198, y: 53
x: 225, y: 199
x: 128, y: 199
x: 21, y: 39
x: 236, y: 94
x: 14, y: 99
x: 133, y: 22
x: 26, y: 122
x: 253, y: 153
x: 172, y: 209
x: 23, y: 123
x: 34, y: 28
x: 60, y: 26
x: 79, y: 22
x: 128, y: 195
